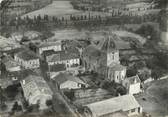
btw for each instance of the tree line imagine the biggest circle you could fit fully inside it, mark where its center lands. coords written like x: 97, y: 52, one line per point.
x: 81, y: 20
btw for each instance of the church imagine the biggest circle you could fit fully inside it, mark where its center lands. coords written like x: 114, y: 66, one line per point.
x: 104, y: 60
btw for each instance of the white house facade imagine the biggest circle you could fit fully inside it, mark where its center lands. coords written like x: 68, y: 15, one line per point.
x: 56, y: 46
x: 133, y: 85
x: 27, y: 59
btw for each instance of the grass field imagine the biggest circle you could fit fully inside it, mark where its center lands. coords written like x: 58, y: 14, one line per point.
x: 142, y: 40
x: 57, y: 8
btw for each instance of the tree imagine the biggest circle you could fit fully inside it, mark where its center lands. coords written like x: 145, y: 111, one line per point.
x: 2, y: 99
x: 16, y: 107
x: 131, y: 72
x: 144, y: 75
x: 162, y: 59
x: 148, y: 30
x: 121, y: 90
x: 49, y: 103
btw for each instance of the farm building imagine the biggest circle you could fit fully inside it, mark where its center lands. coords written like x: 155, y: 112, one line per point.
x: 105, y: 108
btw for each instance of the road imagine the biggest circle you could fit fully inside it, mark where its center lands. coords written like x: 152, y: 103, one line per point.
x: 60, y: 105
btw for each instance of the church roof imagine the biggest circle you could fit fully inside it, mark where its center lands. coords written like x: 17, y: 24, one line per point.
x: 108, y: 43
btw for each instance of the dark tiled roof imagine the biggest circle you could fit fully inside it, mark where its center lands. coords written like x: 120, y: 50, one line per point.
x: 51, y: 52
x: 70, y: 53
x: 57, y: 68
x: 108, y: 43
x: 48, y: 44
x: 27, y: 55
x: 91, y: 51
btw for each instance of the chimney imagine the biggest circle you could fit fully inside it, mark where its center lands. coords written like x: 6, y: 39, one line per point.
x: 135, y: 81
x: 24, y: 82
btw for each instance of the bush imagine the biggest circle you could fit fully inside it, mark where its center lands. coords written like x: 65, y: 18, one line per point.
x: 33, y: 108
x: 121, y: 90
x: 16, y: 107
x: 3, y: 107
x: 131, y: 72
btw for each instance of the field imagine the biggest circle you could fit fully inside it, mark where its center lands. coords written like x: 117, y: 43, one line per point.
x: 57, y: 8
x: 61, y: 9
x: 131, y: 35
x: 155, y: 99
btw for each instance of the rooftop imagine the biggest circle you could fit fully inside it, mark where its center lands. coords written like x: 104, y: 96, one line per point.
x: 63, y: 77
x: 9, y: 62
x: 122, y: 103
x: 33, y: 83
x: 41, y: 45
x: 57, y: 68
x: 8, y: 44
x: 92, y: 51
x: 27, y: 55
x: 108, y: 43
x: 133, y: 79
x: 70, y: 53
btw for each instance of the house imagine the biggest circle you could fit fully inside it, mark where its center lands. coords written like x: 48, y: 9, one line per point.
x: 105, y: 108
x: 10, y: 64
x: 56, y: 46
x: 104, y: 59
x: 36, y: 90
x: 132, y: 84
x: 67, y: 81
x: 27, y: 59
x: 69, y: 57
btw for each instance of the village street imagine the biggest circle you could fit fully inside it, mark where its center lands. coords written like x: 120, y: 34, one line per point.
x: 60, y: 105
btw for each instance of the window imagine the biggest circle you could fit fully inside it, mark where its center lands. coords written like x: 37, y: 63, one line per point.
x: 133, y: 110
x: 117, y: 77
x: 139, y: 110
